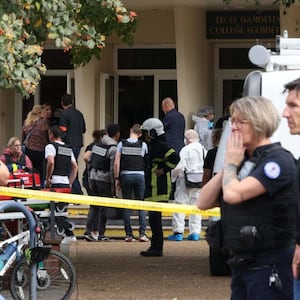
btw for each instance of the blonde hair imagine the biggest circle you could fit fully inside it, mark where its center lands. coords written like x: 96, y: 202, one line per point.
x: 33, y: 115
x: 12, y: 140
x: 260, y: 112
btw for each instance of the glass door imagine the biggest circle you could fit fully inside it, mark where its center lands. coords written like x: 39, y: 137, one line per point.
x: 229, y: 88
x: 135, y: 100
x: 106, y: 106
x: 165, y: 86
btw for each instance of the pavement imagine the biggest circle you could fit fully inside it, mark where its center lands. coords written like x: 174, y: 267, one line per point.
x: 115, y: 270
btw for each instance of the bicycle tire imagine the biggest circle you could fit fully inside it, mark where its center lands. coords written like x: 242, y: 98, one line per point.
x: 56, y: 279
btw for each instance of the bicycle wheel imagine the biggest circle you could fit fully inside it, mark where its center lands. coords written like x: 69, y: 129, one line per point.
x: 56, y: 278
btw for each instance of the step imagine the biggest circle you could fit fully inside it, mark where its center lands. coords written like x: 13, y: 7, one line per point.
x: 115, y: 227
x: 119, y: 233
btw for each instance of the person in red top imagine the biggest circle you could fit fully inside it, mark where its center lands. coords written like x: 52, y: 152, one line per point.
x: 13, y: 156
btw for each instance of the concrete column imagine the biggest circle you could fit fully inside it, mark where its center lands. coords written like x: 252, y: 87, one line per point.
x: 288, y: 20
x: 192, y: 66
x: 7, y: 106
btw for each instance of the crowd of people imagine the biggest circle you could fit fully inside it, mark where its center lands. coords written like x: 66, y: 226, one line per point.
x: 257, y: 188
x: 138, y: 167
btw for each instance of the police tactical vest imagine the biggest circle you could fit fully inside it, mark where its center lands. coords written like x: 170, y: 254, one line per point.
x: 132, y: 156
x: 262, y: 223
x: 99, y: 158
x: 62, y: 160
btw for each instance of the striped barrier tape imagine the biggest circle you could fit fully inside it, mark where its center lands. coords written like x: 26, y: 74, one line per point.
x: 107, y: 202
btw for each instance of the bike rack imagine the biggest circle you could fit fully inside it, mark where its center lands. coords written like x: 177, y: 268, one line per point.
x: 13, y: 205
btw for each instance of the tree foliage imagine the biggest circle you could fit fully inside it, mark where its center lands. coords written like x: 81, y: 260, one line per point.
x: 78, y: 26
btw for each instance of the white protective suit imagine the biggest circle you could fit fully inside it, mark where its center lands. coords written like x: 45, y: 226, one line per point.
x: 205, y: 134
x: 191, y: 161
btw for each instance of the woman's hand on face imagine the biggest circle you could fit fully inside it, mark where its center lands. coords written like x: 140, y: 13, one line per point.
x: 235, y: 149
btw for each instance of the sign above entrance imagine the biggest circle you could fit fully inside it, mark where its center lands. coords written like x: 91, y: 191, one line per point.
x: 242, y: 24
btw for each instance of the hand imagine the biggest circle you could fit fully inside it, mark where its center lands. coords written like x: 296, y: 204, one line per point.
x: 159, y: 172
x: 117, y: 184
x: 235, y: 149
x: 296, y: 262
x: 48, y: 183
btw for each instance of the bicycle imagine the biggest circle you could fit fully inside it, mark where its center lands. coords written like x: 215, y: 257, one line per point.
x: 54, y: 276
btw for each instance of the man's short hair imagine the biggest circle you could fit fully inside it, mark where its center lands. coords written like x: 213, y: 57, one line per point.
x: 136, y: 128
x: 292, y: 85
x: 67, y: 99
x: 98, y: 134
x: 113, y: 129
x: 56, y: 131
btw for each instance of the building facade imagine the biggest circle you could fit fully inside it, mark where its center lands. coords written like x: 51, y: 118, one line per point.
x: 194, y: 52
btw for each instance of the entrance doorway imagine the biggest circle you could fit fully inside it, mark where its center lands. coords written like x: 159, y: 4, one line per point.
x: 140, y: 97
x: 231, y: 68
x: 52, y: 86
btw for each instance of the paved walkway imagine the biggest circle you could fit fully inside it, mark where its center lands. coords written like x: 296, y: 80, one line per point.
x: 115, y: 270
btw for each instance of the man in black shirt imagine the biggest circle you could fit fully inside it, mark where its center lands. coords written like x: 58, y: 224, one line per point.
x: 72, y: 121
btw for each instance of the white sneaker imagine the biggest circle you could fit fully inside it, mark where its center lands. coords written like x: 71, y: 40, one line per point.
x: 68, y: 240
x: 95, y: 236
x: 143, y: 238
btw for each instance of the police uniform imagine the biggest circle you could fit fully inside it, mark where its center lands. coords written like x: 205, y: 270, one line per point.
x: 102, y: 177
x: 132, y: 179
x: 259, y: 234
x: 63, y: 156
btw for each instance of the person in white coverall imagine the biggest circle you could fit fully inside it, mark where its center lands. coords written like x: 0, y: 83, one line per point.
x: 191, y: 162
x: 204, y: 125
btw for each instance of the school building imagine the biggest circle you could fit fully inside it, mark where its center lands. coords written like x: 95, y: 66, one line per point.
x: 195, y: 51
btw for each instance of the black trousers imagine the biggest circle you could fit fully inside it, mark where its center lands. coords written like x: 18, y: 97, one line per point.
x: 62, y: 221
x: 155, y: 223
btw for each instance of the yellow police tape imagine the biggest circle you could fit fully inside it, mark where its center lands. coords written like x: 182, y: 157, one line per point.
x: 108, y: 202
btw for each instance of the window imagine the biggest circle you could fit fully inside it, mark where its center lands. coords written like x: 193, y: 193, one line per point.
x: 147, y: 58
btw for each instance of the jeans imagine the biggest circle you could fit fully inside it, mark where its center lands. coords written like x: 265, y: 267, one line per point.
x: 133, y: 184
x: 297, y: 289
x: 102, y: 189
x: 251, y: 281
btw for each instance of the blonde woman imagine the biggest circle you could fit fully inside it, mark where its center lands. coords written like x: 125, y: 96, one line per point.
x: 37, y: 139
x: 33, y: 115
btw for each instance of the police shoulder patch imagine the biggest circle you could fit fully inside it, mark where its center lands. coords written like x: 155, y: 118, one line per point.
x: 272, y: 169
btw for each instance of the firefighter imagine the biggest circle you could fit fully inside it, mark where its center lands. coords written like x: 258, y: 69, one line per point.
x: 162, y: 159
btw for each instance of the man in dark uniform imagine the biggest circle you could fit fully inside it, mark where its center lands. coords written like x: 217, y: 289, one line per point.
x: 162, y: 160
x: 174, y: 125
x: 72, y: 120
